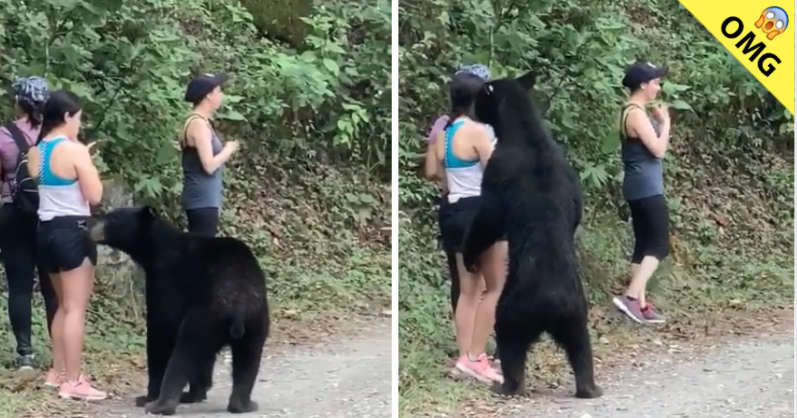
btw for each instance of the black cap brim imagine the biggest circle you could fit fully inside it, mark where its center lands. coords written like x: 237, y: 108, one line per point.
x: 221, y: 78
x: 660, y: 72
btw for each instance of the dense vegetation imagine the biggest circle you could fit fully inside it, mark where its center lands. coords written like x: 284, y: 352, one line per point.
x: 309, y: 98
x: 729, y: 171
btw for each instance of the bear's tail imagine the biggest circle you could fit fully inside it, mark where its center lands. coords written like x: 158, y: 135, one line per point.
x: 237, y: 327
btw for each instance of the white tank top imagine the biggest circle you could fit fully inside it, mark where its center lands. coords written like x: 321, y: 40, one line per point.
x: 57, y: 196
x: 464, y: 178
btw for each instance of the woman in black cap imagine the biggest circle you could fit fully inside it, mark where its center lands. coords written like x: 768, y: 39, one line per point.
x: 644, y: 144
x: 203, y: 155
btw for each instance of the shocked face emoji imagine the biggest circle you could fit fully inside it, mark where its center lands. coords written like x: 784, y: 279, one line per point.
x: 773, y: 21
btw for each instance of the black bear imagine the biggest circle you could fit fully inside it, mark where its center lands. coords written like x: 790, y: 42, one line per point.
x: 530, y: 191
x: 202, y: 294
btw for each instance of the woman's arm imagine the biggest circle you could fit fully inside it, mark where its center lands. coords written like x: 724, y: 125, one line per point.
x: 433, y: 168
x: 639, y: 123
x: 87, y: 176
x: 199, y: 131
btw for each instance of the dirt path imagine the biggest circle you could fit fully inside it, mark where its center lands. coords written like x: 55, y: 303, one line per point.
x: 350, y: 377
x: 750, y: 377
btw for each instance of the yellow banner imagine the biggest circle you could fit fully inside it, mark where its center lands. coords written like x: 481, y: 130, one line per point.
x: 759, y: 34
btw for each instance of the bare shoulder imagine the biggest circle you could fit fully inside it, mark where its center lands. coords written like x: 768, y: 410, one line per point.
x: 76, y: 150
x: 196, y: 122
x: 475, y: 131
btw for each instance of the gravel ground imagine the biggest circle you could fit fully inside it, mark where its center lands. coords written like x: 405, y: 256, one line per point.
x: 741, y: 379
x: 347, y: 378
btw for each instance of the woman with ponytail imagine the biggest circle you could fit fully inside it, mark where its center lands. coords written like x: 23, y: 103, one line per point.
x: 68, y: 183
x: 461, y: 152
x: 17, y: 228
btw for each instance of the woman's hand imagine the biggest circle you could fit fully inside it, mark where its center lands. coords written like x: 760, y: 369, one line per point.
x: 232, y: 146
x: 96, y: 153
x: 660, y: 113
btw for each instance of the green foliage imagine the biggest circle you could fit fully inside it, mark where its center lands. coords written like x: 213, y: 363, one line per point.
x: 728, y: 171
x: 309, y: 188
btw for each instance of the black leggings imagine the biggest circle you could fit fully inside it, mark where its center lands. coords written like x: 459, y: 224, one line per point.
x: 650, y: 221
x: 203, y: 221
x: 18, y: 245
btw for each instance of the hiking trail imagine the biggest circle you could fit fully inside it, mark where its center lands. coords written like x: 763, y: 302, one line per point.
x: 349, y: 376
x: 747, y: 377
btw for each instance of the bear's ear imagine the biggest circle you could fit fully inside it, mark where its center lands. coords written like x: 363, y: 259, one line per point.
x: 149, y: 213
x: 528, y: 80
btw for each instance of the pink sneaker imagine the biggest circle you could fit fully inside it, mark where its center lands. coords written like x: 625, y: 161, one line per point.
x: 81, y: 390
x: 479, y: 369
x: 53, y: 379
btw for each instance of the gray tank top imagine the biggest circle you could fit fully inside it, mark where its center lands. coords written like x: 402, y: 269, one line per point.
x: 644, y: 175
x: 200, y: 189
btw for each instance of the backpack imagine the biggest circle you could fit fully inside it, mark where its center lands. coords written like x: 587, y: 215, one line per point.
x: 24, y: 190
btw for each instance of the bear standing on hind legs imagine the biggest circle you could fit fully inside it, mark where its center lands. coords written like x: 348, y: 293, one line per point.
x: 530, y: 191
x: 202, y: 294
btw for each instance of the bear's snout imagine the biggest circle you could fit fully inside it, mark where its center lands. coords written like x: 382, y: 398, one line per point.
x: 96, y: 230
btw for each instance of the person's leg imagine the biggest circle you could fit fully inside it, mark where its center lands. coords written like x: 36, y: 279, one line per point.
x: 74, y: 255
x: 56, y: 375
x: 204, y: 221
x: 465, y: 314
x: 657, y: 250
x: 639, y: 221
x: 493, y: 269
x: 77, y: 287
x: 475, y: 362
x: 49, y: 268
x: 469, y: 301
x: 45, y: 283
x: 650, y: 230
x: 18, y: 262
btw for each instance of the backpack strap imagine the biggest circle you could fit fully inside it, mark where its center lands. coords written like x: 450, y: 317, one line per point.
x: 19, y: 139
x: 188, y: 120
x: 624, y: 117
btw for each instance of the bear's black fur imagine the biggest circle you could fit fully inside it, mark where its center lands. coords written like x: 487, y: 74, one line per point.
x: 202, y: 294
x: 530, y: 191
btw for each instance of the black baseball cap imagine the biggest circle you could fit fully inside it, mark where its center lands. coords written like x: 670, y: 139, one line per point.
x: 202, y: 85
x: 642, y: 72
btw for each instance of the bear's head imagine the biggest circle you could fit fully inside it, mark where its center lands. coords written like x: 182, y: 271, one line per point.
x: 125, y: 229
x: 505, y: 98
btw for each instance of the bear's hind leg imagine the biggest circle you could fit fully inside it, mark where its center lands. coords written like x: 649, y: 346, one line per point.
x: 199, y: 334
x: 201, y: 382
x: 513, y: 338
x: 247, y: 352
x: 572, y: 334
x: 513, y: 367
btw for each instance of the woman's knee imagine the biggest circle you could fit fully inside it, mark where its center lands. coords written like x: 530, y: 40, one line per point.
x: 661, y: 250
x: 470, y: 285
x: 76, y: 286
x: 495, y: 266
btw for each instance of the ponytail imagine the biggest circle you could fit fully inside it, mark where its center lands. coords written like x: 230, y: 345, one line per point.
x: 33, y: 112
x: 35, y: 118
x: 47, y: 127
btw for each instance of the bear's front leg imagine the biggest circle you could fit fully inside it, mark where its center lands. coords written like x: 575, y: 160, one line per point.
x: 160, y: 345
